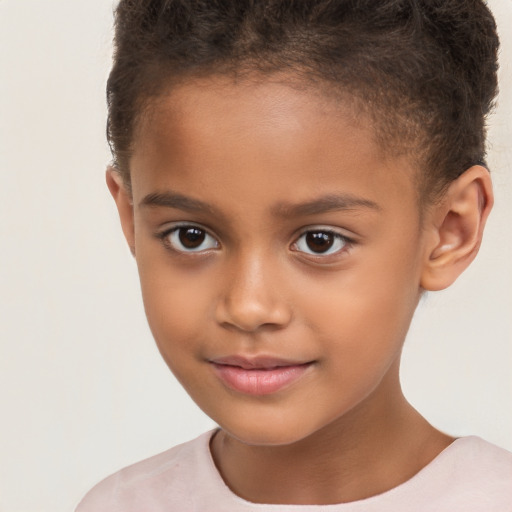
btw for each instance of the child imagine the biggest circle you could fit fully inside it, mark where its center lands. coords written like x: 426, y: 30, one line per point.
x: 291, y: 177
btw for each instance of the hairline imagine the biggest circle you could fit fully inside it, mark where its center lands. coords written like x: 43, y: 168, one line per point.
x: 342, y: 97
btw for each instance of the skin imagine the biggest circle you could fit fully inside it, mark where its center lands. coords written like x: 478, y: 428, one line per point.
x: 252, y: 151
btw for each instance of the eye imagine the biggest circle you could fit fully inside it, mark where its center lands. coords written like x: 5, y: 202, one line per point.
x: 321, y: 242
x: 189, y: 238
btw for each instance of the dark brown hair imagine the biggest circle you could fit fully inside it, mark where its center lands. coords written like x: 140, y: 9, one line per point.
x: 425, y: 70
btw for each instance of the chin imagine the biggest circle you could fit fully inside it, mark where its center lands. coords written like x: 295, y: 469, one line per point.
x: 265, y: 438
x: 267, y: 433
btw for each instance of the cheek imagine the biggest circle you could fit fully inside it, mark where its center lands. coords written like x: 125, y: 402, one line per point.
x: 363, y: 314
x: 177, y: 304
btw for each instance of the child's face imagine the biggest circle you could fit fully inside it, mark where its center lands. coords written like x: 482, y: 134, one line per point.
x: 300, y: 246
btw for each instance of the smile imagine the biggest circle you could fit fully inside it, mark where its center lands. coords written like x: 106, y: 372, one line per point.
x: 261, y: 376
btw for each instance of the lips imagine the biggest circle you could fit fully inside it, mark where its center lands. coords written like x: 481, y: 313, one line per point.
x: 258, y: 375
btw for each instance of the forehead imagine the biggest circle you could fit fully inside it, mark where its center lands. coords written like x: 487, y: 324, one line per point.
x: 218, y: 134
x: 247, y: 104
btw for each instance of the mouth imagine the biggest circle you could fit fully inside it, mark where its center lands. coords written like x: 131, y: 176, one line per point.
x: 259, y: 375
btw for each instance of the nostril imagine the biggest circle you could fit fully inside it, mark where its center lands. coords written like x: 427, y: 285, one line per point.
x: 252, y: 297
x: 252, y: 316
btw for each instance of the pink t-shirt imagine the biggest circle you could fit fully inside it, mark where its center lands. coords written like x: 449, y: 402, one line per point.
x: 470, y: 475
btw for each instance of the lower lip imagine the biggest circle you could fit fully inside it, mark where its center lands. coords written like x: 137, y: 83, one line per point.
x: 260, y: 381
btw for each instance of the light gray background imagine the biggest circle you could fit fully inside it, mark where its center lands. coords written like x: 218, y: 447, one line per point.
x: 83, y: 390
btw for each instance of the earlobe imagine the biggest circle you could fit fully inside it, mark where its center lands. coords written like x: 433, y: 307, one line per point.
x: 456, y: 228
x: 123, y: 200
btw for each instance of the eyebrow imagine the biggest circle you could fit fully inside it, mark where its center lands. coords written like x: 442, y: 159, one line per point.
x: 178, y: 201
x: 324, y: 204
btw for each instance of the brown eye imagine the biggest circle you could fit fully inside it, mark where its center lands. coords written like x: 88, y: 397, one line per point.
x: 321, y: 242
x: 190, y: 239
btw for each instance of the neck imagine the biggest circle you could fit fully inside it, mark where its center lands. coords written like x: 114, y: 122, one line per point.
x: 374, y: 447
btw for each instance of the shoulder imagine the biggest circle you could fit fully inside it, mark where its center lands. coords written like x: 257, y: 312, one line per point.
x: 149, y: 484
x: 470, y: 475
x: 483, y: 458
x: 475, y: 474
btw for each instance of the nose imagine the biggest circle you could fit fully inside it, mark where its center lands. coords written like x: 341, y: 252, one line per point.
x: 252, y: 298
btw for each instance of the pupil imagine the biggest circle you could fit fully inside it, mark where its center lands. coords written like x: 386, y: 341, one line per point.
x: 320, y: 241
x: 191, y: 238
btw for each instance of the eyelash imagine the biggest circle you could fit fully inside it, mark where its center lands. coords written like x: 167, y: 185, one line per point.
x: 166, y: 235
x: 345, y: 242
x: 174, y: 232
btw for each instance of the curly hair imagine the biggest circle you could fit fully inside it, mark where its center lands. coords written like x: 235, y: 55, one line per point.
x: 424, y: 70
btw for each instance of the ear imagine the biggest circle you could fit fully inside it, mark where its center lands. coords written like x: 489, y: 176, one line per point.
x: 456, y: 226
x: 124, y: 203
